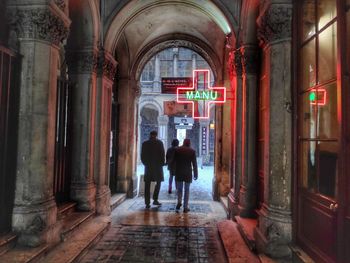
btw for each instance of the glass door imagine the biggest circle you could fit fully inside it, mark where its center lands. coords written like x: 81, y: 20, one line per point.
x: 318, y: 130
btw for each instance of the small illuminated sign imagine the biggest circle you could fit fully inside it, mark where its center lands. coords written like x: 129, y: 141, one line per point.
x: 318, y: 96
x: 201, y: 94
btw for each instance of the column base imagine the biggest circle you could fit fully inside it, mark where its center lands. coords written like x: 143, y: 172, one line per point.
x: 215, y: 191
x: 247, y: 203
x: 273, y: 233
x: 103, y: 200
x: 85, y: 195
x: 132, y: 189
x: 36, y: 224
x: 233, y: 202
x: 128, y: 186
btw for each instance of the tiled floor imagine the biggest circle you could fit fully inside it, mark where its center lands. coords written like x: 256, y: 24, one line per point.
x: 160, y: 234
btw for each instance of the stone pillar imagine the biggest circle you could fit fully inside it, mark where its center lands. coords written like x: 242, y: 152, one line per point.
x: 226, y: 149
x: 175, y: 66
x: 82, y: 72
x: 128, y: 92
x: 163, y: 121
x: 274, y: 231
x: 218, y: 152
x: 236, y: 78
x: 247, y: 196
x: 106, y: 72
x: 194, y: 62
x: 156, y: 82
x: 40, y: 30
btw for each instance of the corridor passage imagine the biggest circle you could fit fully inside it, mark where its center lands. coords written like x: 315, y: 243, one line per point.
x: 160, y: 234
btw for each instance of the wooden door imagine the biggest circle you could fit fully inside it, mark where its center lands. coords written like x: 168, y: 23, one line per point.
x: 319, y: 136
x: 62, y: 179
x: 9, y: 99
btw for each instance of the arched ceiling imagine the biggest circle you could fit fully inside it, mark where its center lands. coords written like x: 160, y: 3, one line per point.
x: 141, y: 22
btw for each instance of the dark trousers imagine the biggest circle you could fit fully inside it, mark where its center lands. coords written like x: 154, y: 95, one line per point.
x: 148, y: 190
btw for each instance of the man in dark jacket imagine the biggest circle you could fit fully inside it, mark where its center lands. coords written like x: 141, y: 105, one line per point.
x: 152, y: 157
x: 170, y: 162
x: 185, y: 162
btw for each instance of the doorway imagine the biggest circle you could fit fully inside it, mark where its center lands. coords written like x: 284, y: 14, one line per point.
x: 9, y: 94
x: 159, y: 111
x: 320, y: 176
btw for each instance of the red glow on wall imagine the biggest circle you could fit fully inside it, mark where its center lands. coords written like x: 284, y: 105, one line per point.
x: 318, y: 96
x: 201, y: 95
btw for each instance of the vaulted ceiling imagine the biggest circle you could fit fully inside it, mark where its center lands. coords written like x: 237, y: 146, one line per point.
x: 131, y: 27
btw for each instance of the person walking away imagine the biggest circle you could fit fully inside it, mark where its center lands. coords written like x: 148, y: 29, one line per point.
x: 152, y: 157
x: 185, y: 162
x: 170, y: 162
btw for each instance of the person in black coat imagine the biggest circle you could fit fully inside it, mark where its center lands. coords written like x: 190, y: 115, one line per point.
x: 170, y: 162
x: 152, y: 157
x: 185, y: 161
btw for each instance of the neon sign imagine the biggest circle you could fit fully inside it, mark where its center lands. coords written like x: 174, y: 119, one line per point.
x: 318, y: 96
x: 201, y: 95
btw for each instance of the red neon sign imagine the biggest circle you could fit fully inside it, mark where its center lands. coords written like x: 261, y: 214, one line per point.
x: 201, y: 94
x: 318, y: 96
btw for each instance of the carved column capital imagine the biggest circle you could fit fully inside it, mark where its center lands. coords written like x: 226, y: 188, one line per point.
x: 275, y: 23
x: 82, y: 61
x: 107, y: 65
x: 249, y: 59
x: 235, y: 63
x: 43, y: 23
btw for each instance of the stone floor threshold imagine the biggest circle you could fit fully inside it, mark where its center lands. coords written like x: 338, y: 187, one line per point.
x: 117, y: 199
x: 235, y: 247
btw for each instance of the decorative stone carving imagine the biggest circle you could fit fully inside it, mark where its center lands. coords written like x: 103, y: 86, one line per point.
x: 82, y: 61
x: 107, y: 66
x: 275, y: 23
x: 238, y: 62
x: 61, y: 4
x: 235, y: 63
x: 38, y: 23
x: 250, y: 60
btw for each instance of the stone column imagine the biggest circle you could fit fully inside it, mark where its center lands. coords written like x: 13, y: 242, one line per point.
x: 194, y: 62
x: 247, y: 198
x: 128, y: 92
x: 163, y: 121
x: 40, y: 30
x: 156, y: 82
x: 175, y: 66
x: 236, y: 78
x: 82, y: 72
x: 106, y: 70
x: 274, y: 231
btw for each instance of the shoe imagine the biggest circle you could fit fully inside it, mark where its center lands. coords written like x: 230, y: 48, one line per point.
x: 186, y: 210
x: 169, y: 192
x: 148, y: 206
x: 156, y: 203
x: 178, y: 206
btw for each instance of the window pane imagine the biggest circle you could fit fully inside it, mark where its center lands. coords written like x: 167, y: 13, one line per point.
x: 308, y: 166
x: 328, y: 168
x: 308, y: 65
x: 308, y: 19
x: 327, y: 54
x: 328, y: 113
x: 326, y: 11
x: 308, y: 117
